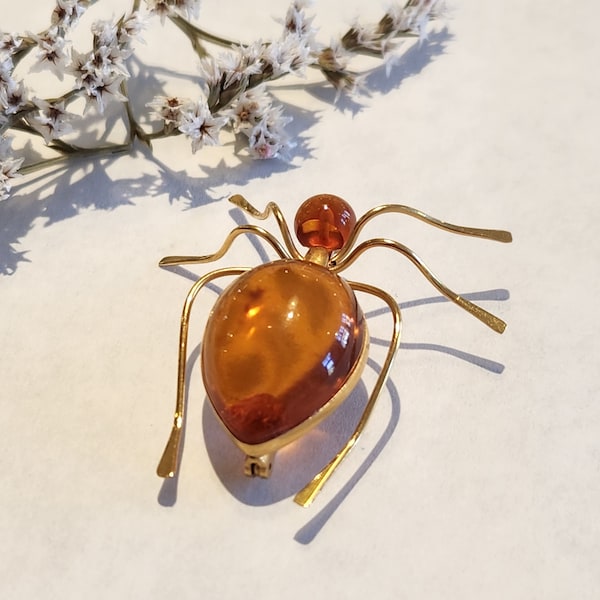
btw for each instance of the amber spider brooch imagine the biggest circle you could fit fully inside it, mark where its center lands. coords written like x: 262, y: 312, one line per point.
x: 286, y: 342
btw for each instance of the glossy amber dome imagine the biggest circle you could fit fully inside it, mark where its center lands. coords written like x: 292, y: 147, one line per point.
x: 280, y: 342
x: 324, y: 221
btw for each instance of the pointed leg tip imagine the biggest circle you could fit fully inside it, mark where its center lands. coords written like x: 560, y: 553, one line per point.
x: 165, y: 472
x: 303, y: 499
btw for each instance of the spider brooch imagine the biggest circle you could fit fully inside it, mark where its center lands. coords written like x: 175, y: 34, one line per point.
x: 287, y: 341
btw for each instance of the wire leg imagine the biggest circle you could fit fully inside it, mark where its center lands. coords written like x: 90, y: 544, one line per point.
x: 273, y: 209
x: 493, y: 322
x: 168, y: 464
x: 306, y: 495
x: 487, y: 234
x: 170, y: 261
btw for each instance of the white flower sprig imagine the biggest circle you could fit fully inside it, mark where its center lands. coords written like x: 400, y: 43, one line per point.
x: 233, y: 95
x: 9, y: 167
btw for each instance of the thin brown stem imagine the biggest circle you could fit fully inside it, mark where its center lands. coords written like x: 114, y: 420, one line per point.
x: 69, y: 151
x: 195, y: 34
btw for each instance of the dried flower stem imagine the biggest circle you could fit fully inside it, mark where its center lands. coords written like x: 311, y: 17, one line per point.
x: 195, y: 34
x: 69, y: 152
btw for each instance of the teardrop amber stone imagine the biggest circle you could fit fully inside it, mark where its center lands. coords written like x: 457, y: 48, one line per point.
x: 281, y: 340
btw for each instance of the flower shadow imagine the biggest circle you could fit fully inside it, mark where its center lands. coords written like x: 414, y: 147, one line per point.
x: 55, y: 196
x: 386, y: 78
x: 408, y: 64
x: 63, y: 192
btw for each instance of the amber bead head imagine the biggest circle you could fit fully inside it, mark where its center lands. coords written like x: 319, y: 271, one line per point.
x: 324, y: 221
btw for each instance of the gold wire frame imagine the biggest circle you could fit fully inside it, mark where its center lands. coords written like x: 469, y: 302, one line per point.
x: 167, y: 467
x: 308, y: 493
x: 338, y: 261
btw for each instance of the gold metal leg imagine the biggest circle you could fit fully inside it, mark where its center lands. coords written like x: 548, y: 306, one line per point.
x: 305, y: 496
x: 495, y: 235
x: 273, y: 209
x: 170, y: 261
x: 167, y: 466
x: 493, y: 322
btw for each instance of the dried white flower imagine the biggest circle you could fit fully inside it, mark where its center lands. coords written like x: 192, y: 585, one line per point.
x: 97, y: 77
x: 82, y: 69
x: 119, y: 34
x: 169, y: 109
x: 397, y: 19
x: 8, y: 170
x: 101, y: 72
x: 51, y: 52
x: 113, y: 42
x: 12, y: 97
x: 190, y: 8
x: 268, y: 138
x: 297, y: 22
x: 161, y: 8
x: 5, y: 146
x: 361, y: 36
x: 198, y: 123
x: 228, y: 75
x: 9, y: 43
x: 105, y: 33
x: 291, y: 54
x: 250, y: 108
x: 110, y: 60
x: 67, y: 12
x: 240, y: 65
x: 411, y: 17
x: 334, y: 61
x: 9, y: 167
x: 6, y: 69
x: 335, y: 57
x: 164, y: 8
x: 51, y: 120
x: 129, y: 29
x: 108, y: 87
x: 264, y: 145
x: 210, y: 72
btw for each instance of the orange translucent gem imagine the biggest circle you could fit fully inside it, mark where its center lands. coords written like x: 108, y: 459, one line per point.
x: 280, y: 342
x: 324, y: 221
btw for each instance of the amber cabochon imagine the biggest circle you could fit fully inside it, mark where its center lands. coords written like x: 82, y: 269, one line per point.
x: 279, y: 344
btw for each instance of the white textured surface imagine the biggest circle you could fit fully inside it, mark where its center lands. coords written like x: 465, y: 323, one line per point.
x: 488, y: 486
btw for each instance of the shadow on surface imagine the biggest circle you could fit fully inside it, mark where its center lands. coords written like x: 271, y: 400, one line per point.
x: 307, y: 534
x: 294, y: 466
x: 388, y: 77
